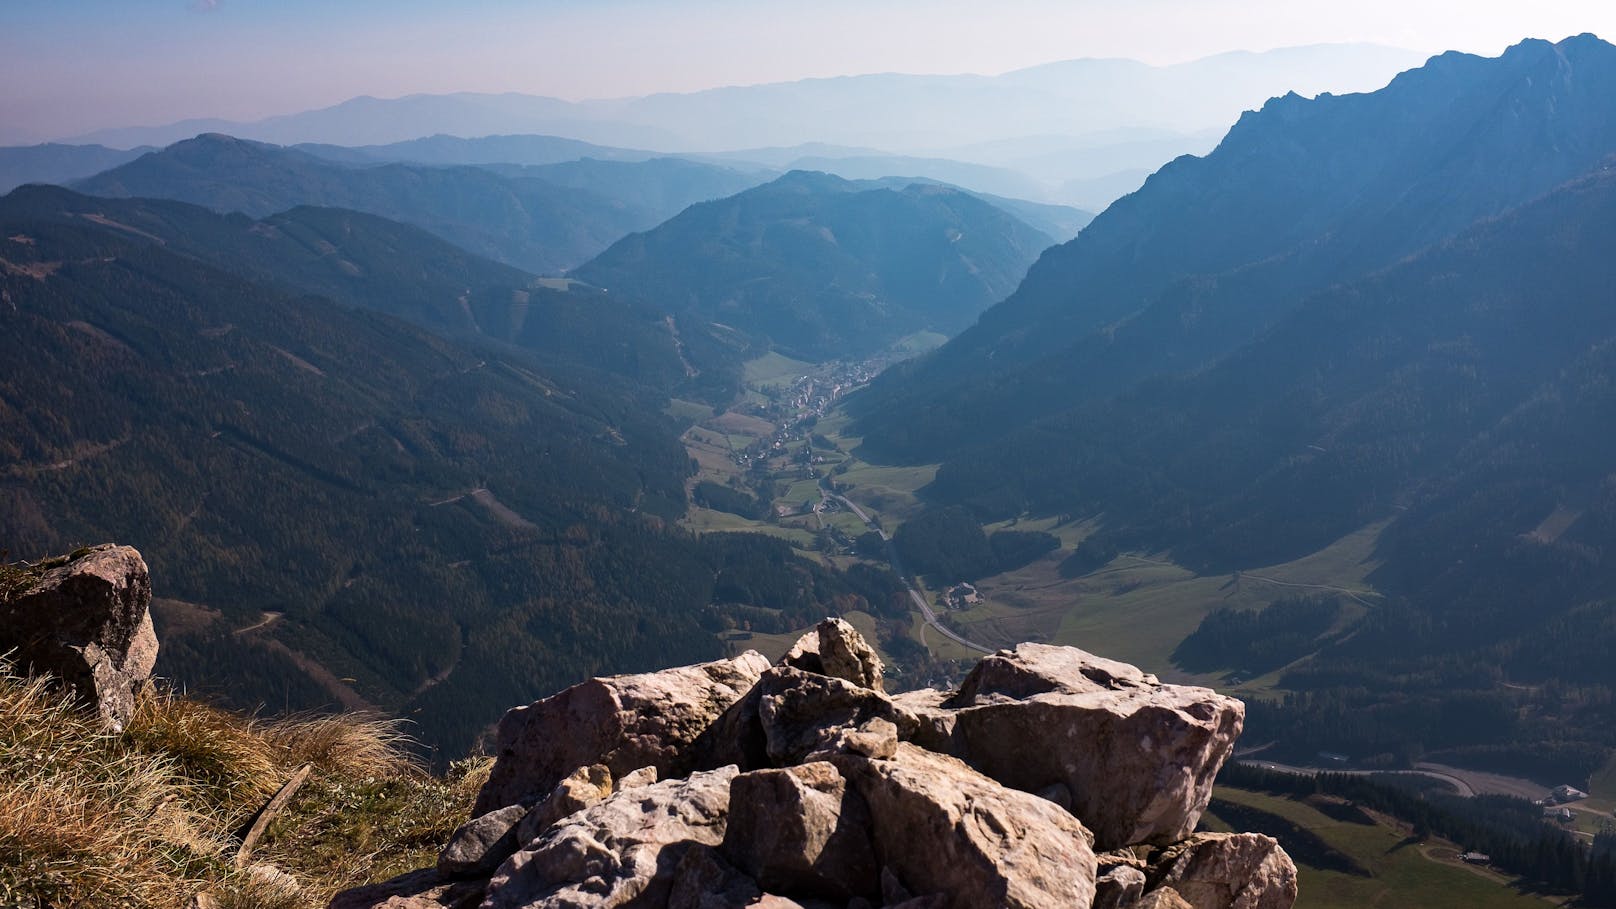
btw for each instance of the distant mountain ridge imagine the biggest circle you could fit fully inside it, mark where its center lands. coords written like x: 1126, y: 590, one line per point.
x: 822, y: 268
x: 533, y: 224
x: 1212, y: 250
x: 1096, y: 103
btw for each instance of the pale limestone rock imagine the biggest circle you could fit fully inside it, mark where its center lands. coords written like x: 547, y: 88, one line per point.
x: 585, y: 787
x: 1137, y: 756
x: 943, y: 828
x: 623, y: 852
x: 1227, y: 871
x: 804, y: 713
x: 625, y: 722
x: 1165, y: 898
x: 801, y: 831
x: 644, y: 776
x: 1118, y: 887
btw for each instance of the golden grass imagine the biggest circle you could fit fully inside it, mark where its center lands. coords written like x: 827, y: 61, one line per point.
x: 149, y: 817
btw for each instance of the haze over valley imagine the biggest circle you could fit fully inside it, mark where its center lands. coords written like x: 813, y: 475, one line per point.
x: 1277, y: 362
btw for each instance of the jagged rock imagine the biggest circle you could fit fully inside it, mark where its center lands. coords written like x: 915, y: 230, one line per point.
x: 478, y: 846
x: 836, y: 649
x: 944, y: 828
x: 1165, y: 898
x: 1118, y: 887
x: 935, y: 723
x: 424, y: 889
x: 1227, y: 871
x: 585, y: 787
x: 625, y: 722
x: 622, y: 852
x: 1137, y: 756
x: 85, y: 621
x: 845, y: 654
x: 800, y: 831
x: 804, y: 713
x: 644, y: 776
x: 703, y: 880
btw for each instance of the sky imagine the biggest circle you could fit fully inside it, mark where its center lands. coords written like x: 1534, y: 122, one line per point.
x: 73, y: 66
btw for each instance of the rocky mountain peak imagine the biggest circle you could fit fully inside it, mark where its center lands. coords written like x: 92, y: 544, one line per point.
x: 1050, y: 778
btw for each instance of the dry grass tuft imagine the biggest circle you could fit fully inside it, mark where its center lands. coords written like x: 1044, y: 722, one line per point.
x: 351, y: 744
x: 148, y: 818
x: 84, y: 820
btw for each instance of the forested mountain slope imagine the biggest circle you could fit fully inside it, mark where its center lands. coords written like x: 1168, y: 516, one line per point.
x: 344, y: 507
x: 1464, y: 398
x: 821, y: 267
x: 403, y: 271
x: 1297, y: 197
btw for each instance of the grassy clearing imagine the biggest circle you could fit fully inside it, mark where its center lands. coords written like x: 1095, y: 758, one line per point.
x: 1402, y: 874
x: 1139, y: 607
x: 149, y: 817
x: 887, y: 491
x: 688, y: 412
x: 706, y: 520
x: 774, y: 369
x: 920, y: 342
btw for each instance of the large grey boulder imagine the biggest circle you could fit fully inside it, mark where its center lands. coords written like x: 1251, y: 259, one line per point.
x: 623, y: 852
x: 85, y: 620
x: 1227, y: 871
x: 800, y: 831
x: 1137, y: 757
x: 625, y: 722
x: 946, y: 830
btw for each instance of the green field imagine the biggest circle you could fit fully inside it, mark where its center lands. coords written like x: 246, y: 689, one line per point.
x: 774, y: 369
x: 919, y: 343
x: 687, y: 411
x: 1138, y: 608
x: 706, y: 520
x: 1400, y: 873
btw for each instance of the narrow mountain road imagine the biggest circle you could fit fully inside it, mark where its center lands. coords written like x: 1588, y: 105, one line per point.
x: 926, y: 611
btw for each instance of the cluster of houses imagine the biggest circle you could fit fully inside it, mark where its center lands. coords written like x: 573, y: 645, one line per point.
x: 1554, y: 804
x: 960, y: 596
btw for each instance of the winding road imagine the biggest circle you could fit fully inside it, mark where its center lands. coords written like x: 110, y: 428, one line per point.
x: 926, y: 611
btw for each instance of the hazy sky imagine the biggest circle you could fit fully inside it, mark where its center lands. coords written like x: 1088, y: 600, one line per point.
x: 70, y: 66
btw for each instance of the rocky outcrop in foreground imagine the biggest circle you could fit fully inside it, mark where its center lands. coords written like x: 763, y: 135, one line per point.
x: 84, y: 619
x: 1052, y: 779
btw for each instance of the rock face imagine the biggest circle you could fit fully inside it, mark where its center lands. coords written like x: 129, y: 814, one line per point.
x: 625, y: 722
x: 942, y: 828
x: 1233, y: 870
x: 621, y: 852
x: 801, y: 830
x: 85, y: 621
x: 1137, y: 757
x: 805, y: 785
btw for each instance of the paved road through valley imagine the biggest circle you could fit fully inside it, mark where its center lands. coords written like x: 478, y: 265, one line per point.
x: 926, y: 611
